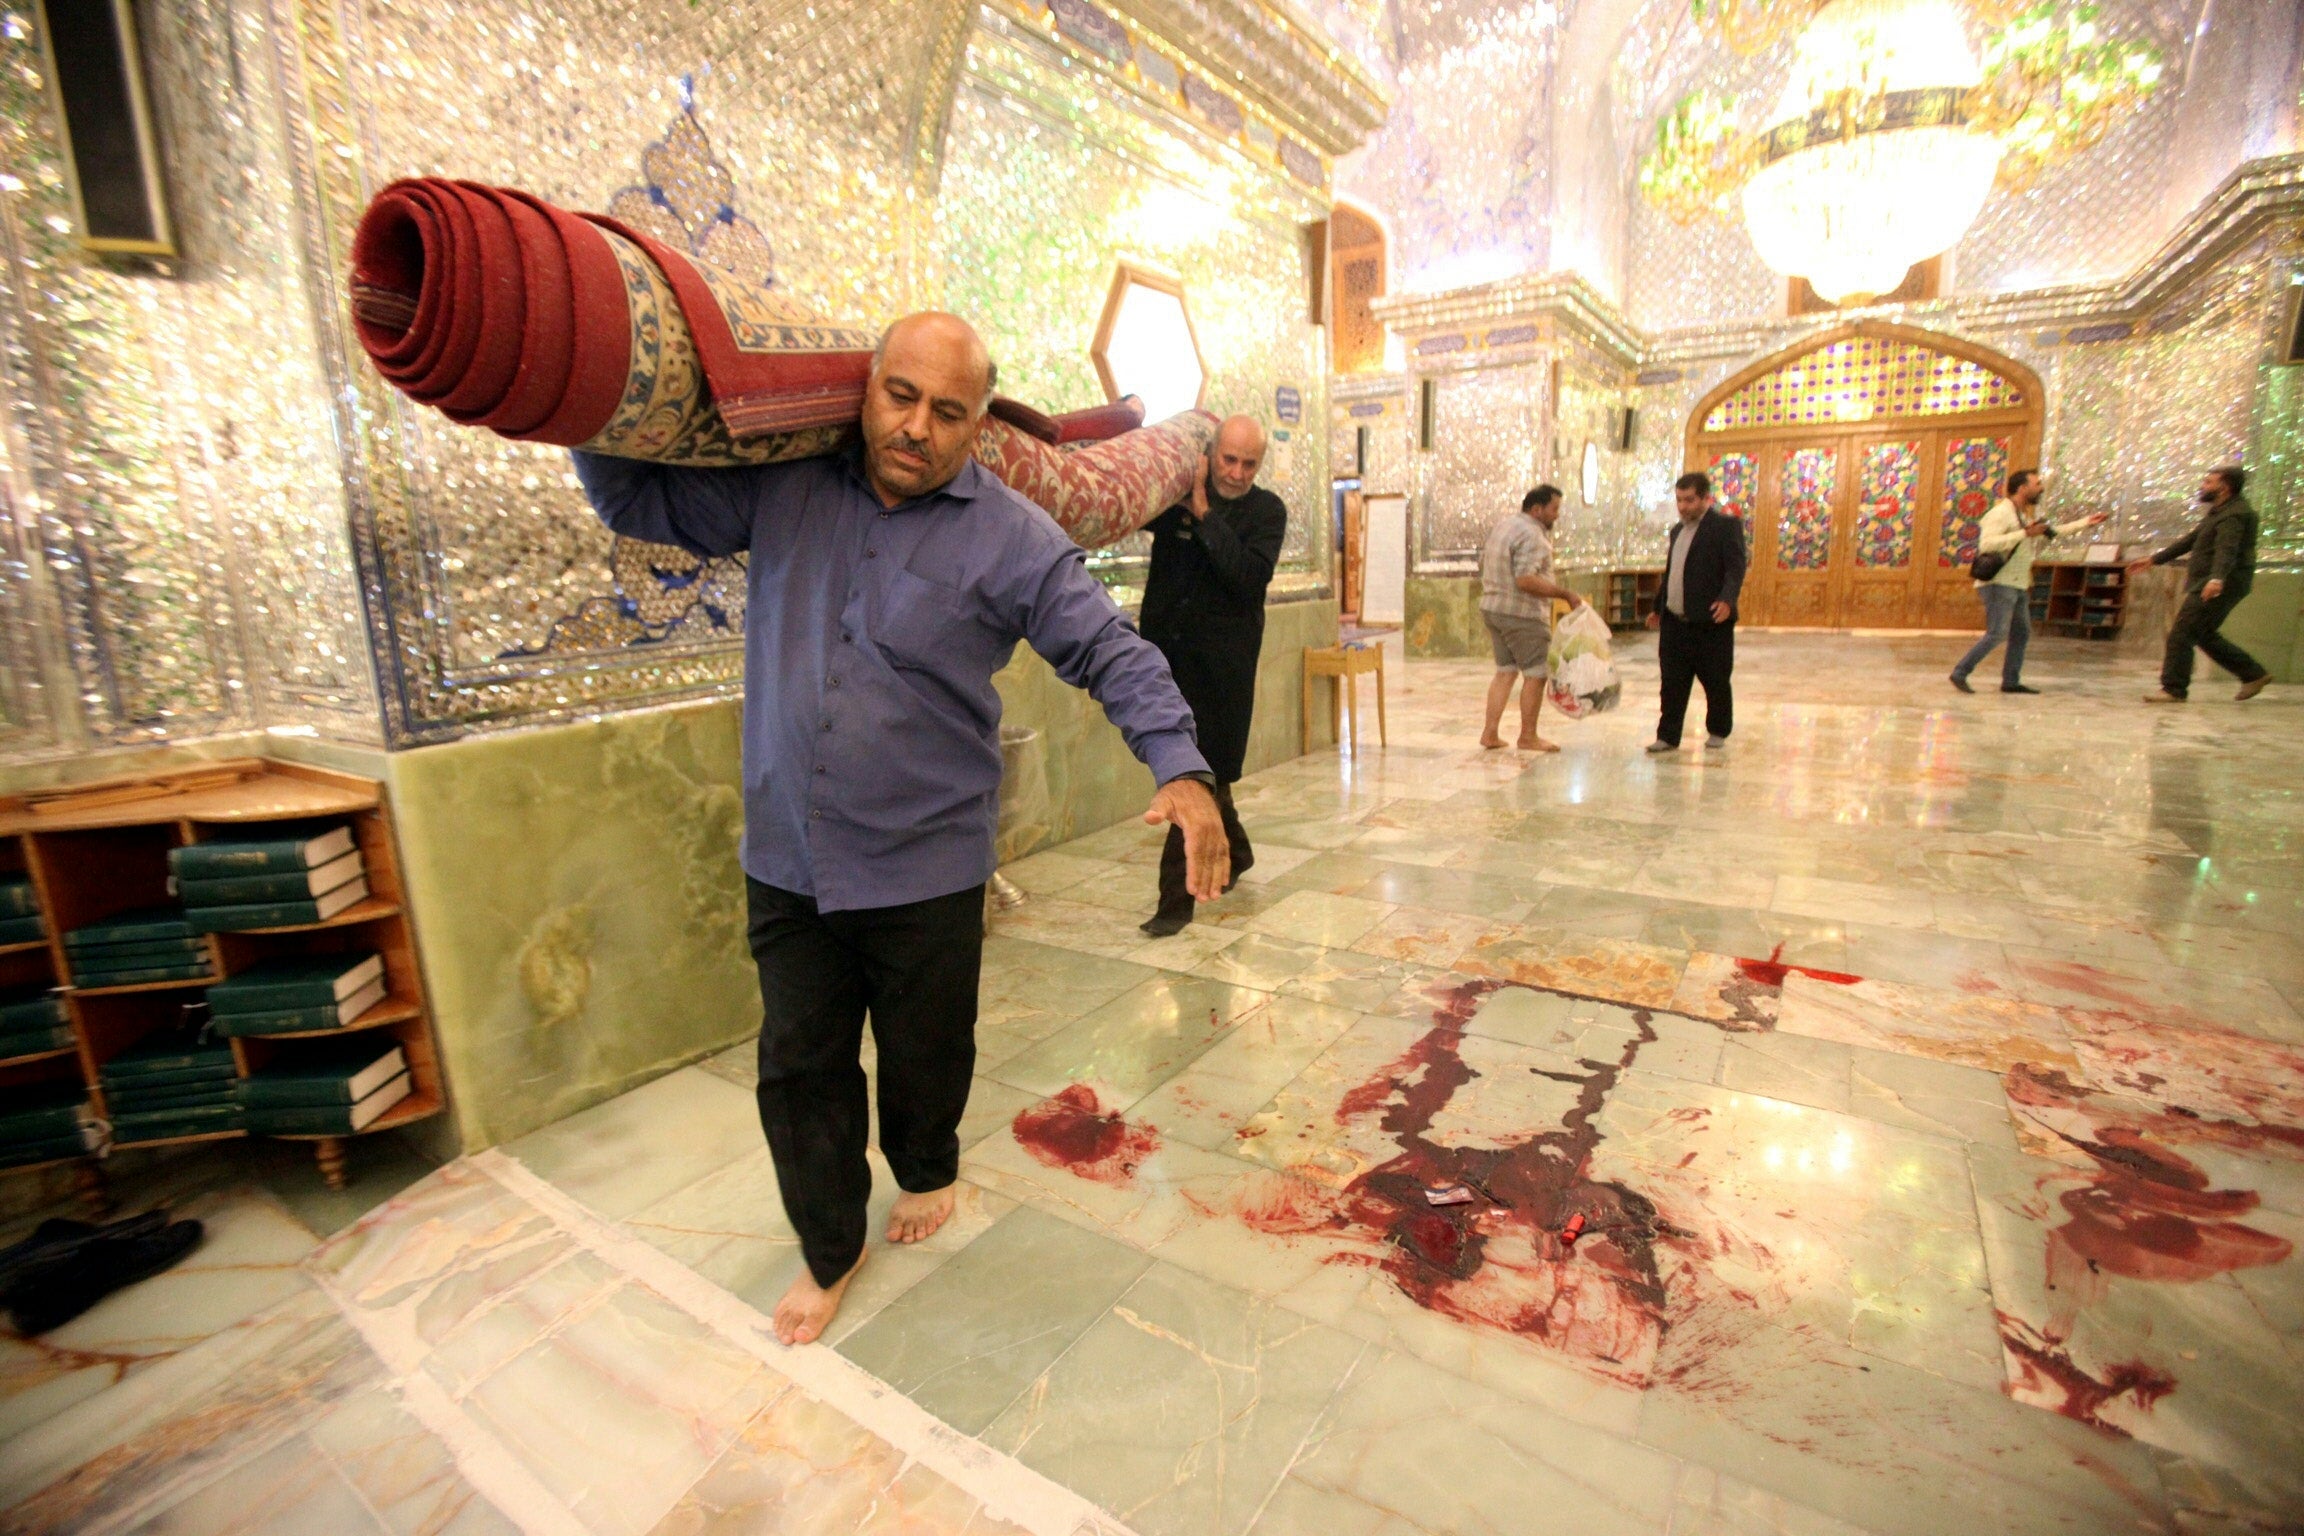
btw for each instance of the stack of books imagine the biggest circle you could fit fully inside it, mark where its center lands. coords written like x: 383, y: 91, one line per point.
x: 40, y: 1122
x: 32, y: 1020
x: 150, y: 944
x: 268, y: 883
x: 172, y: 1083
x: 332, y: 1091
x: 19, y: 911
x: 291, y: 994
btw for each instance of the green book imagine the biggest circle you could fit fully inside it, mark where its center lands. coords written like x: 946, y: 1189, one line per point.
x: 42, y: 1109
x: 162, y: 1125
x: 296, y: 1021
x: 17, y: 898
x: 292, y: 885
x: 145, y: 923
x: 136, y: 976
x: 22, y: 930
x: 337, y: 1073
x: 31, y: 1010
x: 327, y: 1119
x: 46, y: 1150
x: 268, y: 856
x: 175, y: 1049
x: 160, y: 950
x: 212, y: 1072
x: 31, y: 1042
x: 144, y: 1099
x: 295, y: 981
x: 278, y: 914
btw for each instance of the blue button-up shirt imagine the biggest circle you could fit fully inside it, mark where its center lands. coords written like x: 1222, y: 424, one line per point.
x: 871, y: 728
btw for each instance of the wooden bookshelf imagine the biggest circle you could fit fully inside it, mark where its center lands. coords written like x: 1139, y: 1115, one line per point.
x: 2086, y: 601
x: 97, y: 850
x: 1628, y: 597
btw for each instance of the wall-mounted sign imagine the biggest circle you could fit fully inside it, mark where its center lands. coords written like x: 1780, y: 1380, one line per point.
x: 1287, y: 404
x: 1591, y: 472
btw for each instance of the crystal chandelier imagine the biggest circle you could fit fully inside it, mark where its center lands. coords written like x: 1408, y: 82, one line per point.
x: 1889, y: 132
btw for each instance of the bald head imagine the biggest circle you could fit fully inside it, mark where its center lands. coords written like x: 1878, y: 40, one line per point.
x: 1237, y: 456
x: 931, y: 380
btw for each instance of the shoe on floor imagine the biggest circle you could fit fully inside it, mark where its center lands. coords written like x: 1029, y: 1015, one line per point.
x: 1161, y: 925
x: 2163, y: 697
x: 1961, y: 683
x: 105, y: 1263
x: 1663, y: 746
x: 1714, y: 743
x: 2250, y: 690
x: 2017, y: 688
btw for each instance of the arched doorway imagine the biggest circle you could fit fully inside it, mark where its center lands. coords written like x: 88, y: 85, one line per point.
x: 1861, y: 461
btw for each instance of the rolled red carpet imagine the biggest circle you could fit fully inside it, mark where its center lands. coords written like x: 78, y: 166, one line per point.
x: 502, y: 311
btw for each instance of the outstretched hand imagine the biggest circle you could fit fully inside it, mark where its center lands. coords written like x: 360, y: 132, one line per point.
x: 1187, y: 804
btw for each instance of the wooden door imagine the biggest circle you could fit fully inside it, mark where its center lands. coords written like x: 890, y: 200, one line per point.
x: 1972, y: 471
x: 1355, y: 550
x: 1801, y: 523
x: 1880, y: 576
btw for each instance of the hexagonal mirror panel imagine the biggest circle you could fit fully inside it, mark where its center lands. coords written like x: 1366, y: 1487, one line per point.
x: 1145, y: 344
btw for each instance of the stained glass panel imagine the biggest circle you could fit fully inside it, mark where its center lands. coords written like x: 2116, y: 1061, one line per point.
x: 1735, y: 482
x: 1860, y: 378
x: 1887, y: 496
x: 1974, y: 470
x: 1804, y: 521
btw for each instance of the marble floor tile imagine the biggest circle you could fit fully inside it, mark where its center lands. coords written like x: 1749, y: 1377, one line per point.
x: 1454, y: 1456
x: 1232, y: 1390
x: 614, y: 1157
x: 1793, y: 1068
x: 1316, y: 917
x: 1615, y: 970
x: 1209, y: 1102
x: 1130, y: 1045
x: 291, y: 1490
x: 964, y: 1342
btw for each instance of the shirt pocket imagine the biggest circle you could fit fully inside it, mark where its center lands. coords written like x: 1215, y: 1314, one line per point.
x: 925, y: 626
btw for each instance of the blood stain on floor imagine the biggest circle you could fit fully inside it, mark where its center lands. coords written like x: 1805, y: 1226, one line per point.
x: 1074, y: 1131
x: 2046, y: 1376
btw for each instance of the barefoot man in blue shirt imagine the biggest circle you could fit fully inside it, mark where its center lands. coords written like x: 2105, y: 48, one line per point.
x: 886, y: 586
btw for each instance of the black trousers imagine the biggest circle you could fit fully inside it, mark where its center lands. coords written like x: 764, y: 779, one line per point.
x: 1174, y: 897
x: 2197, y: 624
x: 913, y: 969
x: 1695, y: 653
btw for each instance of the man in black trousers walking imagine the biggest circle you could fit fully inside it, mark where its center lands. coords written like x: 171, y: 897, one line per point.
x: 1212, y: 558
x: 1696, y: 620
x: 2221, y: 570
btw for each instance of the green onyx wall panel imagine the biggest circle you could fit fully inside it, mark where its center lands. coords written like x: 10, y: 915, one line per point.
x: 577, y: 895
x: 1443, y: 617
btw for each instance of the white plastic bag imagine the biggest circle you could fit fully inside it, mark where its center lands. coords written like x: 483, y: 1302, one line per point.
x: 1582, y: 680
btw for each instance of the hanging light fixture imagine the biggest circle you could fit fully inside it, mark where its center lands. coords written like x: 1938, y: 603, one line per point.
x: 1868, y: 164
x: 1889, y: 133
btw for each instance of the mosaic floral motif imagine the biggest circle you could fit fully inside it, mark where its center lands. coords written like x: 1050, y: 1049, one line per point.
x: 1887, y: 495
x: 1974, y: 469
x: 1861, y: 378
x: 1804, y: 525
x: 1735, y: 483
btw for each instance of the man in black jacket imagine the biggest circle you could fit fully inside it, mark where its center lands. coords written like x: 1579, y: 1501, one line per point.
x: 1212, y: 558
x: 1696, y: 613
x: 2219, y: 574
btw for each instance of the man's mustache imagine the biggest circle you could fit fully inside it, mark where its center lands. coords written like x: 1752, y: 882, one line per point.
x: 899, y: 442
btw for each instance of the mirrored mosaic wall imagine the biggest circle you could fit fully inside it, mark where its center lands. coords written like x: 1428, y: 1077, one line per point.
x: 176, y: 555
x: 215, y: 522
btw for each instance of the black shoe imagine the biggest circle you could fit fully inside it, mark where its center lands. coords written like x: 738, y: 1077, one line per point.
x: 1961, y: 683
x: 1161, y: 925
x: 57, y: 1293
x: 57, y: 1243
x: 50, y: 1234
x: 2016, y: 688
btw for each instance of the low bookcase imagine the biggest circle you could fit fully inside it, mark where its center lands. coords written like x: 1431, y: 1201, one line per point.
x: 95, y: 851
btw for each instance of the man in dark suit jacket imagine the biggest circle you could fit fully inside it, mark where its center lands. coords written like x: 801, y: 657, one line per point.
x: 2221, y: 571
x: 1212, y: 558
x: 1696, y: 614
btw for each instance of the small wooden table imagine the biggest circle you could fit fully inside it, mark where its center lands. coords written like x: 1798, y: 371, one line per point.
x: 1344, y: 663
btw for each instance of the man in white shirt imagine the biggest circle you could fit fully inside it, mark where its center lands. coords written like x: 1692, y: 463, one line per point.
x: 1516, y: 593
x: 2013, y: 530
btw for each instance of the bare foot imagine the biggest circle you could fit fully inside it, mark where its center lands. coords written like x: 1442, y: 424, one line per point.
x: 1491, y: 742
x: 807, y: 1308
x: 918, y: 1216
x: 1536, y: 744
